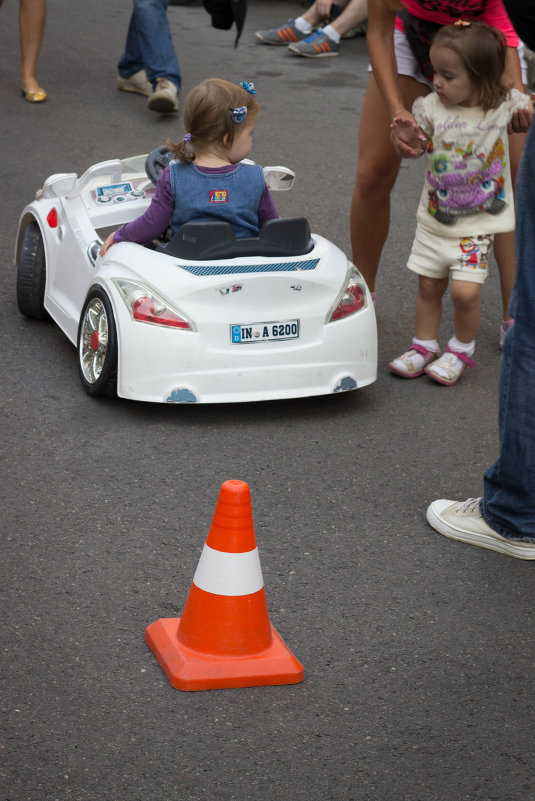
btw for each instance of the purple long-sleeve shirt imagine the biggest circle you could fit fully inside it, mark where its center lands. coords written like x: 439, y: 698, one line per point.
x: 155, y: 220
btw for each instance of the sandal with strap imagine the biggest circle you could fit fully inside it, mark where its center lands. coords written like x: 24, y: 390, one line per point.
x: 451, y: 365
x: 414, y: 362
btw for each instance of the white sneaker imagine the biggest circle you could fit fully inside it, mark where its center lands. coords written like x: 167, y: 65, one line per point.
x: 461, y: 520
x: 138, y: 82
x: 164, y: 99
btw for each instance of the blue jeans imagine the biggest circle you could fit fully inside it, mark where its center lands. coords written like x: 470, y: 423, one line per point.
x: 508, y: 503
x: 149, y: 45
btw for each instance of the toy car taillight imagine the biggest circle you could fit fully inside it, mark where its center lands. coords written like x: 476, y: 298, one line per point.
x: 149, y: 310
x: 352, y: 298
x: 146, y: 306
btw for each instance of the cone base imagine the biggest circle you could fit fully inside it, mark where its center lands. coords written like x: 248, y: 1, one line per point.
x: 193, y: 670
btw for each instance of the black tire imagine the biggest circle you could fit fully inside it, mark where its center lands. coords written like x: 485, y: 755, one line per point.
x: 97, y: 346
x: 31, y: 273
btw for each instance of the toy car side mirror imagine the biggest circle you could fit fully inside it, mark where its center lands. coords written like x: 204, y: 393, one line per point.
x: 279, y: 179
x: 59, y: 184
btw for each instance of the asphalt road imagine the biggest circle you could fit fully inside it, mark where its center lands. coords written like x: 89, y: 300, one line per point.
x: 418, y: 651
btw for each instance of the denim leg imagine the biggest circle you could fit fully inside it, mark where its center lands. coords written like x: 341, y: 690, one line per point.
x: 149, y: 44
x: 132, y: 60
x: 508, y: 503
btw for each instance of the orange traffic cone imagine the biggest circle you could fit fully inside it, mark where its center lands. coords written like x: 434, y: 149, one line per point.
x: 224, y: 637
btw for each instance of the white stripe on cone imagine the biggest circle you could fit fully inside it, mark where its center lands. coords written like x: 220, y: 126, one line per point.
x: 224, y: 573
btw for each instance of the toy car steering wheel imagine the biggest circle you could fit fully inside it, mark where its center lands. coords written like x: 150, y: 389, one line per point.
x: 157, y: 161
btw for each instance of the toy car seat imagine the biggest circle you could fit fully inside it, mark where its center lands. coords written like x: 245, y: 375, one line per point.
x: 215, y: 240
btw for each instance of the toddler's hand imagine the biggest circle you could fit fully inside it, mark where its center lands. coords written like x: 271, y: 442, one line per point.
x: 406, y: 136
x: 107, y: 244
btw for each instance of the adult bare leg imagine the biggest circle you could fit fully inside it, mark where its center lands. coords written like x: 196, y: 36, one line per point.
x: 377, y: 169
x: 353, y: 14
x: 320, y: 11
x: 32, y: 17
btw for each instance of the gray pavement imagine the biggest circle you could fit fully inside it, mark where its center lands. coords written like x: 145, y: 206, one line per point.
x: 418, y: 651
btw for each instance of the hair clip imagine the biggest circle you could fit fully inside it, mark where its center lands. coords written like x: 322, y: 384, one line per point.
x: 188, y: 137
x: 462, y: 23
x: 238, y: 114
x: 248, y: 86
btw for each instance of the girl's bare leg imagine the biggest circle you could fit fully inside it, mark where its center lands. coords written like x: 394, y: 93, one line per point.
x: 466, y: 296
x: 429, y: 306
x: 32, y: 17
x: 377, y: 170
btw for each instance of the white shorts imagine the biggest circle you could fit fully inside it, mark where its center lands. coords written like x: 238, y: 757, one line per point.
x: 408, y: 65
x: 465, y: 259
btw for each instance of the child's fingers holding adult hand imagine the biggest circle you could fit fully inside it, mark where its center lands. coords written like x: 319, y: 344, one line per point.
x: 406, y: 137
x: 521, y: 120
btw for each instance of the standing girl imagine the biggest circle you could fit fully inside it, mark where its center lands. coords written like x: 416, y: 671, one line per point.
x: 207, y: 182
x: 467, y: 196
x: 400, y: 75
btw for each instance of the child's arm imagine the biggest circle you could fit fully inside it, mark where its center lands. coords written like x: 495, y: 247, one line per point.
x: 152, y: 223
x: 267, y: 209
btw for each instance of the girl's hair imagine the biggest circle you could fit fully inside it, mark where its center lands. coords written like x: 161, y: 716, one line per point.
x: 482, y: 50
x: 208, y: 116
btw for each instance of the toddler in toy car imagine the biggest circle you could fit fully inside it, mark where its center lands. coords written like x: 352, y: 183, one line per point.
x: 206, y: 181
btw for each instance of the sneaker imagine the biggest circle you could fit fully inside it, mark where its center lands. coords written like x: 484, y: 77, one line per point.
x: 137, y: 82
x: 504, y: 328
x: 461, y: 520
x: 413, y: 363
x: 449, y: 368
x: 317, y: 45
x: 284, y: 35
x: 164, y: 99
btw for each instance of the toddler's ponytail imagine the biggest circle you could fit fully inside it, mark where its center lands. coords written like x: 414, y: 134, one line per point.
x: 182, y: 150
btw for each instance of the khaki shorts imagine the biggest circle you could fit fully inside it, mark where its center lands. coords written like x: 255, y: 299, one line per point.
x: 465, y: 259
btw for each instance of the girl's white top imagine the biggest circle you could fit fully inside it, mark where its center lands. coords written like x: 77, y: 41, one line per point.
x: 467, y: 189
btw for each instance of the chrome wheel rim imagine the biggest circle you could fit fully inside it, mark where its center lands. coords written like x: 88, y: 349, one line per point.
x: 94, y: 341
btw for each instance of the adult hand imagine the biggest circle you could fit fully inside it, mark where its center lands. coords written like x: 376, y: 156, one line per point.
x: 323, y: 7
x: 107, y: 244
x: 406, y: 136
x: 521, y: 119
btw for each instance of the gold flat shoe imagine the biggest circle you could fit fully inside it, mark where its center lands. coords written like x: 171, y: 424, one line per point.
x: 34, y: 96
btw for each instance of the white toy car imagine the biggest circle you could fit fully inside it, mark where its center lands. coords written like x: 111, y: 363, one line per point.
x: 203, y: 319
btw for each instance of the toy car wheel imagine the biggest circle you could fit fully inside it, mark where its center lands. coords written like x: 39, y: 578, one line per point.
x: 31, y: 273
x: 97, y: 346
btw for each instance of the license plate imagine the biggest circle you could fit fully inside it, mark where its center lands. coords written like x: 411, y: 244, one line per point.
x: 243, y: 334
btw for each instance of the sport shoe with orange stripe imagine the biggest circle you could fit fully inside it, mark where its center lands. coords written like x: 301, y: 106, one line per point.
x: 317, y: 45
x: 285, y: 35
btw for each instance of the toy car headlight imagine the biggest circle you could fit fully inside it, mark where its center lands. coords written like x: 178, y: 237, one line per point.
x: 146, y: 306
x: 352, y: 298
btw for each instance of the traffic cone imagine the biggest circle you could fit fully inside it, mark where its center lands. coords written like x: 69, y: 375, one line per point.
x: 224, y: 637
